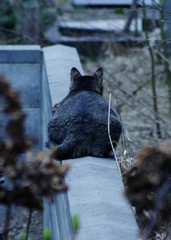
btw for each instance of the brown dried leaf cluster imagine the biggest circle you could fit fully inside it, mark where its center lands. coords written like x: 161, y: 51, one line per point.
x: 148, y: 188
x: 39, y: 175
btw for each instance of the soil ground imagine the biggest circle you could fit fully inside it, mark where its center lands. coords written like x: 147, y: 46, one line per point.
x: 18, y: 225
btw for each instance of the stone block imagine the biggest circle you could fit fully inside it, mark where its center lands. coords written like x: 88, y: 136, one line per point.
x: 96, y: 195
x: 20, y: 54
x: 25, y: 78
x: 34, y: 125
x: 46, y: 105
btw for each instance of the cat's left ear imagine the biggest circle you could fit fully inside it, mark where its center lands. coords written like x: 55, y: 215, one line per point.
x: 99, y: 74
x: 74, y: 74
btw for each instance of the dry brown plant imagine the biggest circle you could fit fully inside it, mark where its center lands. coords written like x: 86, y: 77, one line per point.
x: 38, y: 175
x: 148, y: 188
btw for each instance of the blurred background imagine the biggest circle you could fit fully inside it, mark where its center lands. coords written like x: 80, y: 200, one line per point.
x: 130, y: 39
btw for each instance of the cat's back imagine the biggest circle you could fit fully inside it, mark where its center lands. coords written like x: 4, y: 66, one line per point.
x: 83, y: 102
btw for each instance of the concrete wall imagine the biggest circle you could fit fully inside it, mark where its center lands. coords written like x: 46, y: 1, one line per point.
x: 25, y: 68
x: 21, y: 65
x: 58, y: 60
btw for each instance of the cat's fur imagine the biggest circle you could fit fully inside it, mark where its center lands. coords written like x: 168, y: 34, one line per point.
x: 79, y: 126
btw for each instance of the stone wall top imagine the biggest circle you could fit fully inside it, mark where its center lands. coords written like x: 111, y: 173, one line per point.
x: 20, y: 54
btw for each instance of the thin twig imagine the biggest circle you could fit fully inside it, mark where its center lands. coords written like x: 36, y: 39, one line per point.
x: 153, y: 79
x: 123, y: 130
x: 152, y: 7
x: 157, y: 6
x: 17, y: 33
x: 163, y: 57
x: 111, y: 142
x: 158, y: 202
x: 152, y: 115
x: 29, y: 222
x: 7, y: 222
x: 125, y: 92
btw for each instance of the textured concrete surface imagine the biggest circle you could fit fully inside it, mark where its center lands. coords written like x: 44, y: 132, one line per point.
x: 46, y: 104
x: 22, y: 66
x: 96, y: 195
x: 25, y: 78
x: 59, y: 61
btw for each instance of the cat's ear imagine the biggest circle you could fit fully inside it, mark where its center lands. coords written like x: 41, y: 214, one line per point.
x: 99, y: 74
x: 74, y: 74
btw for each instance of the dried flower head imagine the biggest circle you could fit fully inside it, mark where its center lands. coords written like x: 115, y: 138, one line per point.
x: 148, y: 187
x: 36, y: 176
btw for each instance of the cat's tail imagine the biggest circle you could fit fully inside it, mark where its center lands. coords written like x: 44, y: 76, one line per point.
x: 62, y: 151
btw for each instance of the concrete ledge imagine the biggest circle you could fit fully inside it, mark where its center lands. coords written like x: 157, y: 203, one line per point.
x: 96, y: 195
x: 59, y: 60
x: 20, y: 54
x: 96, y: 189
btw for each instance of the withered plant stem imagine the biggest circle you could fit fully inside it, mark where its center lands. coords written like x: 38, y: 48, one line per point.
x: 7, y: 221
x: 111, y: 142
x: 164, y: 50
x: 153, y: 79
x: 29, y: 222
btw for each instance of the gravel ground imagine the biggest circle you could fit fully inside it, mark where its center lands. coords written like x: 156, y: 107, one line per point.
x: 19, y: 221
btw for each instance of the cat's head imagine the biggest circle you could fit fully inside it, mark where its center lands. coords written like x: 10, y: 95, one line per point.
x: 87, y: 82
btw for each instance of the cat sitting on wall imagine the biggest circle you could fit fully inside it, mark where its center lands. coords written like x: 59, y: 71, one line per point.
x: 79, y: 126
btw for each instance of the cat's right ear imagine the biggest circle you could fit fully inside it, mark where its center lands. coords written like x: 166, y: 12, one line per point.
x: 74, y: 74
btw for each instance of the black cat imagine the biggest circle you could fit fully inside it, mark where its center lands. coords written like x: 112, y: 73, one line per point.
x: 79, y: 126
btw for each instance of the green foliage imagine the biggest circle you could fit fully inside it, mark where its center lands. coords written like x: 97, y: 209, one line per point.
x: 6, y: 21
x: 48, y: 15
x: 46, y: 234
x: 119, y: 10
x: 8, y: 18
x: 23, y: 236
x: 75, y: 222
